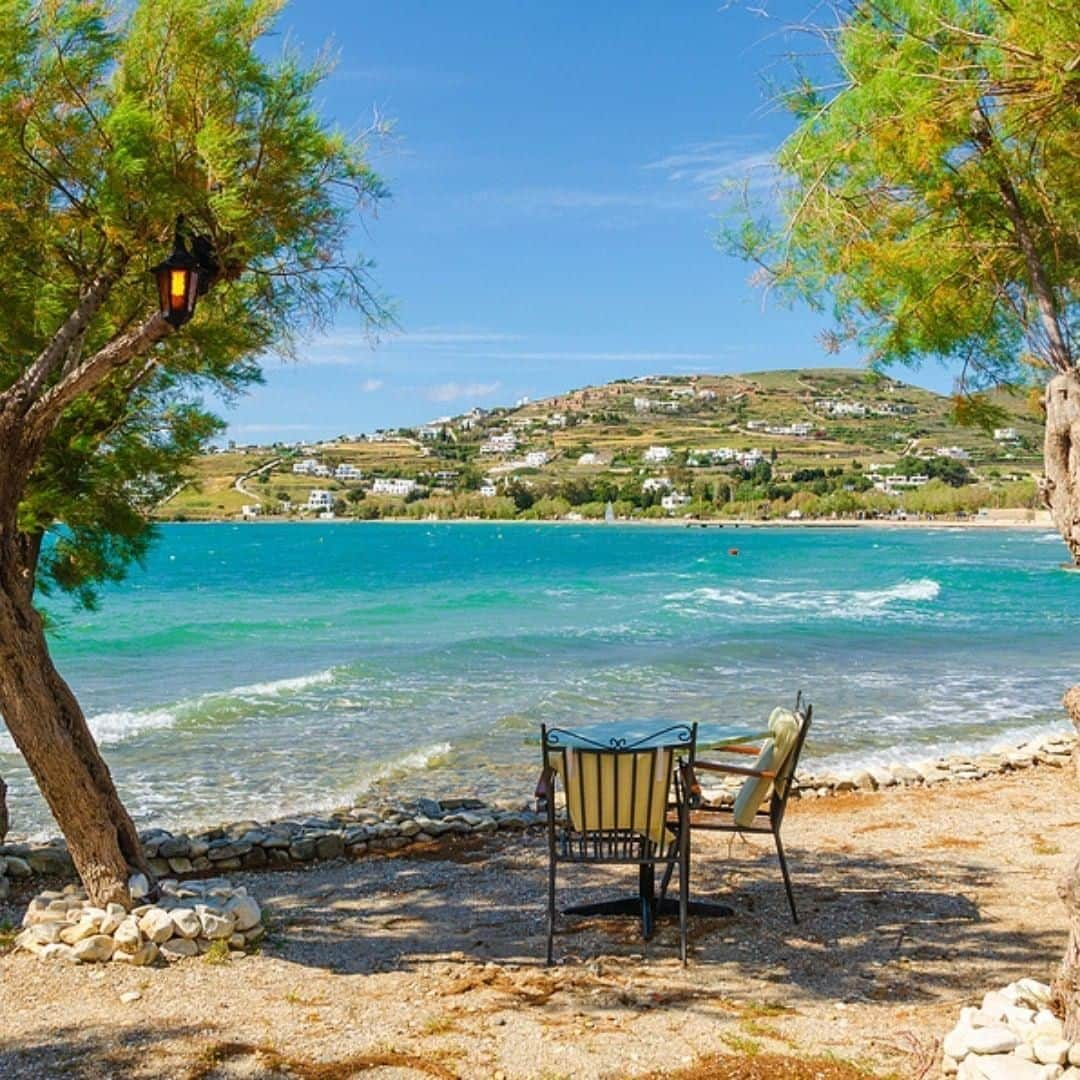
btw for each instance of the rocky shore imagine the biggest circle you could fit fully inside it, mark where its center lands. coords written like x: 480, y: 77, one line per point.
x: 353, y: 832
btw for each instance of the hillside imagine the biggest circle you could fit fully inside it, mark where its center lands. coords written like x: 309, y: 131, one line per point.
x: 747, y: 445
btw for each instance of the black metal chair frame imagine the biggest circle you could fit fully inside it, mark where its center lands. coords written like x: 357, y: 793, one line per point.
x: 771, y: 815
x: 622, y: 846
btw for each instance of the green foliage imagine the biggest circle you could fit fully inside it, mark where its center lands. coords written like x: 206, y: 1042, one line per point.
x: 114, y: 118
x: 931, y: 195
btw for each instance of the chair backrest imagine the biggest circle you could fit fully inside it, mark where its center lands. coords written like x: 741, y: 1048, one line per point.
x: 779, y: 755
x: 618, y: 792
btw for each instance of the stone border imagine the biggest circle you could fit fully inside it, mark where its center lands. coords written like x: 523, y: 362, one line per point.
x: 361, y: 830
x: 1013, y: 1035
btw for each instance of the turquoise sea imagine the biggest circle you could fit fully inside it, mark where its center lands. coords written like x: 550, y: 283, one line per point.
x: 250, y: 669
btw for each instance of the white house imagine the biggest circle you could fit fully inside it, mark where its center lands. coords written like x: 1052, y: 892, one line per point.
x: 429, y: 431
x: 675, y: 501
x: 535, y: 458
x: 320, y: 499
x: 306, y: 467
x: 500, y: 444
x: 1006, y: 434
x: 721, y: 454
x: 957, y: 453
x: 488, y: 490
x: 707, y: 395
x: 347, y: 472
x: 749, y: 458
x: 682, y: 391
x: 321, y: 470
x: 392, y: 486
x: 250, y: 510
x: 656, y: 454
x: 656, y: 483
x: 556, y: 419
x: 835, y: 407
x: 589, y: 458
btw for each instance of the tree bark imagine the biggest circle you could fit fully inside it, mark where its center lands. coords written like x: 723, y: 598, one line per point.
x: 1061, y: 485
x: 52, y: 735
x: 1067, y: 984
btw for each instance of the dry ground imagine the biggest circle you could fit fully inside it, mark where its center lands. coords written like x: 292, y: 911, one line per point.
x: 914, y: 903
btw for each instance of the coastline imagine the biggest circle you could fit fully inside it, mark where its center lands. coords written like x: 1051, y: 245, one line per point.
x: 660, y: 523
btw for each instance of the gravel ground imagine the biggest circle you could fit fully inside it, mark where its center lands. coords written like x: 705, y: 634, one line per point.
x: 914, y: 903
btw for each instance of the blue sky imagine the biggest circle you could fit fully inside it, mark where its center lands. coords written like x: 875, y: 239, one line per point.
x: 554, y: 169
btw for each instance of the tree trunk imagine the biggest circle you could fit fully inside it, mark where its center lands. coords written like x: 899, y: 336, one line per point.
x: 51, y: 733
x: 1061, y: 485
x: 1067, y: 984
x: 3, y: 810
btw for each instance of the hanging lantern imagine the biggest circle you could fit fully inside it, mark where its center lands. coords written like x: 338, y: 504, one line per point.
x: 177, y: 281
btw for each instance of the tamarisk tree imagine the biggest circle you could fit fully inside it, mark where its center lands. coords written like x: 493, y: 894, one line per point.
x: 114, y: 119
x: 930, y: 194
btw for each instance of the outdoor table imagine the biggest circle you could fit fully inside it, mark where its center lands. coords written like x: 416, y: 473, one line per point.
x: 646, y: 734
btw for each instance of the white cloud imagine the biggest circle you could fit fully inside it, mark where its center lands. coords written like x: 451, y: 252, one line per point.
x: 369, y: 386
x: 453, y: 391
x: 710, y: 165
x: 357, y: 348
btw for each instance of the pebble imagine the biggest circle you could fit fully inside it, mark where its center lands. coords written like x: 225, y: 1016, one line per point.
x: 130, y: 996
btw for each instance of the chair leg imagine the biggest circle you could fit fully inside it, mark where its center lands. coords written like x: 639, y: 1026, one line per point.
x: 665, y: 881
x: 684, y: 895
x: 787, y: 877
x: 551, y: 914
x: 647, y: 892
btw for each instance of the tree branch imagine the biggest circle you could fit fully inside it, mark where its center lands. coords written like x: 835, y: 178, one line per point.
x: 68, y: 338
x: 47, y: 410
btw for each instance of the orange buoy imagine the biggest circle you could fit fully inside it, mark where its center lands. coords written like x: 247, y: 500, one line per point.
x: 733, y: 551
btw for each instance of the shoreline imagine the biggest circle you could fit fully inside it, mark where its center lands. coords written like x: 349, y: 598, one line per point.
x: 952, y: 524
x: 375, y: 824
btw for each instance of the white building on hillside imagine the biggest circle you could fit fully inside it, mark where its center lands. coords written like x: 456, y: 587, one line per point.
x: 320, y: 499
x: 656, y: 454
x: 392, y: 486
x: 1006, y: 434
x: 957, y: 453
x: 589, y: 458
x: 535, y: 458
x: 500, y: 444
x: 488, y: 490
x: 656, y: 483
x: 347, y: 472
x: 306, y: 467
x: 675, y: 501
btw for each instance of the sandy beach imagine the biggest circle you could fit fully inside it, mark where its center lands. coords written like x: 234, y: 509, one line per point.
x: 429, y: 964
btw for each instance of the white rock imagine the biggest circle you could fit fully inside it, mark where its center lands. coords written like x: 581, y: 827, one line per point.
x: 145, y: 954
x: 1050, y: 1051
x: 215, y: 926
x: 245, y: 912
x: 138, y: 886
x: 58, y: 951
x: 1006, y: 1067
x: 127, y: 935
x: 186, y: 922
x: 129, y: 996
x: 1024, y: 1051
x: 949, y: 1065
x: 157, y: 925
x: 955, y: 1044
x: 178, y: 948
x: 1074, y: 1054
x: 72, y: 935
x: 992, y: 1040
x: 110, y: 922
x: 1032, y: 992
x: 95, y: 950
x: 1071, y: 1074
x: 995, y: 1005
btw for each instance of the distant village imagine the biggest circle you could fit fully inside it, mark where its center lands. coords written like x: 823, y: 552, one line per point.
x: 588, y: 452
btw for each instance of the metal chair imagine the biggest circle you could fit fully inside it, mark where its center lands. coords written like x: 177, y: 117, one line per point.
x: 760, y: 804
x: 617, y: 796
